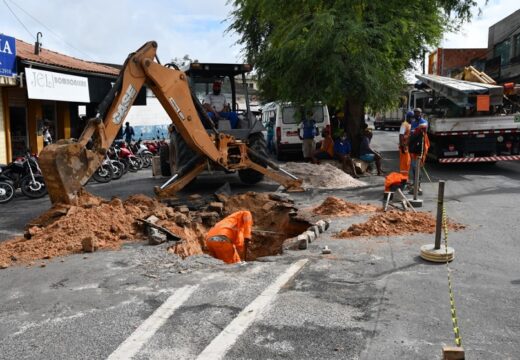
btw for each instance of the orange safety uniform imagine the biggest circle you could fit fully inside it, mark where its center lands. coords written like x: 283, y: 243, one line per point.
x: 225, y: 240
x: 404, y: 154
x: 327, y: 145
x: 394, y: 179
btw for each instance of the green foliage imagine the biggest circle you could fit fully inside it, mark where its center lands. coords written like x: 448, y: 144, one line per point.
x: 331, y: 51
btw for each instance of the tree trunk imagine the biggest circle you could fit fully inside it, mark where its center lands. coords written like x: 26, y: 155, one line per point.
x: 354, y: 110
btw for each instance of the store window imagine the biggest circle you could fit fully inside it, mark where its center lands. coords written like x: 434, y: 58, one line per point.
x: 49, y: 118
x: 18, y: 127
x: 503, y: 50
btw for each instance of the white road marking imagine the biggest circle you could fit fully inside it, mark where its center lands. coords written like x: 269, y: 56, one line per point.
x: 147, y: 329
x: 223, y: 342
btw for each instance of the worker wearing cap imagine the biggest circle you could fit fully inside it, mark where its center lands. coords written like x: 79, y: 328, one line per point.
x: 418, y: 142
x: 226, y: 240
x: 217, y: 106
x: 404, y: 154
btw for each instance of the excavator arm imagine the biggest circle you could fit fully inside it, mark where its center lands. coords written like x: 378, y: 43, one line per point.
x: 68, y: 165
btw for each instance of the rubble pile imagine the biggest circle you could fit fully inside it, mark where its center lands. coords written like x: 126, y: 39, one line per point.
x: 95, y: 224
x: 395, y: 223
x: 334, y: 206
x: 324, y: 176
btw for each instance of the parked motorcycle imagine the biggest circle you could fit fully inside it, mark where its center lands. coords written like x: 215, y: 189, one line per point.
x: 132, y: 163
x: 6, y: 190
x: 24, y: 173
x: 141, y: 150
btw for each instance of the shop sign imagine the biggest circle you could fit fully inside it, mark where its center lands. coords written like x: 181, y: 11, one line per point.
x: 7, y: 55
x: 48, y: 85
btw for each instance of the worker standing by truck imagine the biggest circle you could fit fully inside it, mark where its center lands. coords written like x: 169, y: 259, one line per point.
x: 228, y: 238
x: 404, y: 154
x: 418, y: 144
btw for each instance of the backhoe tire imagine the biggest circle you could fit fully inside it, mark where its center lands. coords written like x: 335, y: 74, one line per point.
x: 179, y: 152
x: 258, y: 143
x: 164, y: 156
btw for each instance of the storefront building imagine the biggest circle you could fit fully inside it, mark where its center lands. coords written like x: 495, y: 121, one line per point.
x: 47, y: 88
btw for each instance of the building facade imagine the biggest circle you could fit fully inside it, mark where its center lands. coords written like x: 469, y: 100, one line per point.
x: 450, y: 62
x: 503, y: 53
x: 47, y: 89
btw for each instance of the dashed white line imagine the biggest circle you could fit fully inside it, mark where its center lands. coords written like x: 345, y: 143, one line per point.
x: 223, y: 342
x: 147, y: 329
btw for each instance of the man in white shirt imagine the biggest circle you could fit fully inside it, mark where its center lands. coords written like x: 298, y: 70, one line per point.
x: 217, y: 106
x: 216, y: 102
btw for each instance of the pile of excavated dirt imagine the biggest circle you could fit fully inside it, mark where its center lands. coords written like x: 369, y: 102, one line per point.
x: 324, y: 176
x: 334, y: 206
x: 101, y: 224
x: 106, y: 224
x: 274, y: 221
x: 395, y: 223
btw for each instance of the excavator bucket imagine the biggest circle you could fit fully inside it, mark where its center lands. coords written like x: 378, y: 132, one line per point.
x: 66, y: 166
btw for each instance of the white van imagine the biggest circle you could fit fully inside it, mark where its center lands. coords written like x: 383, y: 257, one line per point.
x: 286, y: 126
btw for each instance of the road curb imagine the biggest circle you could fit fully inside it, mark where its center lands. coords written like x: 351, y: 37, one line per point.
x: 302, y: 241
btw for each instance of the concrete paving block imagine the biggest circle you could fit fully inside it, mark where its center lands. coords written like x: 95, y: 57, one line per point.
x: 311, y: 235
x: 321, y: 225
x: 303, y: 241
x: 316, y: 230
x: 327, y: 224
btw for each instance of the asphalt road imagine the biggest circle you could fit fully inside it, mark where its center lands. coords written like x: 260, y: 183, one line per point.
x: 372, y: 298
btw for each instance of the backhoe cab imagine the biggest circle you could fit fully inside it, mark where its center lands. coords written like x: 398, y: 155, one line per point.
x: 68, y: 165
x: 247, y: 129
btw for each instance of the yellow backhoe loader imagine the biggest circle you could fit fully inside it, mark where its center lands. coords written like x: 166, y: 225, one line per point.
x: 68, y: 164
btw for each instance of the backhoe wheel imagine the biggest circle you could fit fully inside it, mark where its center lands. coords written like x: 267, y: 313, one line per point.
x: 258, y: 143
x: 164, y: 155
x: 180, y: 152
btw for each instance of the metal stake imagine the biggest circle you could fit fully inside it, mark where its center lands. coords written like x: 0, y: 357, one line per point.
x: 440, y: 206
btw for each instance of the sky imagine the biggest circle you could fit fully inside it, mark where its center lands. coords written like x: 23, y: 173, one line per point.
x: 107, y: 30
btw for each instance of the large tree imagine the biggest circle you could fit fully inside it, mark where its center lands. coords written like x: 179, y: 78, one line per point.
x: 346, y: 53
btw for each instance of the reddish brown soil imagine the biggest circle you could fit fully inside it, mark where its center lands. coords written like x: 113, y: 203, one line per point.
x: 395, y: 223
x: 60, y: 230
x: 334, y: 206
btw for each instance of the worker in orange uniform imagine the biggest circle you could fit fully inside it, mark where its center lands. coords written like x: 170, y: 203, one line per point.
x: 326, y: 150
x: 418, y: 145
x: 226, y: 240
x: 404, y: 154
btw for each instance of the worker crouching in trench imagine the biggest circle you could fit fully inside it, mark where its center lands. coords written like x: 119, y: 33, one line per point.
x: 228, y: 238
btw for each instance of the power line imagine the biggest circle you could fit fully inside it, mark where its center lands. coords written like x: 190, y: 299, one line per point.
x: 50, y: 30
x: 20, y: 21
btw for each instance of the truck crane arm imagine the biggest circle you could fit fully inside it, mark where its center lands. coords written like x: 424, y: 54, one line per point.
x: 68, y: 165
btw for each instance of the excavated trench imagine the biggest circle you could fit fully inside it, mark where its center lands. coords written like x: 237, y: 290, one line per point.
x: 274, y: 221
x: 96, y: 224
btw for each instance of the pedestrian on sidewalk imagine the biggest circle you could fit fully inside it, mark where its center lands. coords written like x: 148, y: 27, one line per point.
x: 227, y: 240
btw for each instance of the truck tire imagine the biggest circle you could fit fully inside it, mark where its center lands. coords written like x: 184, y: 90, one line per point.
x: 258, y: 143
x: 164, y: 155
